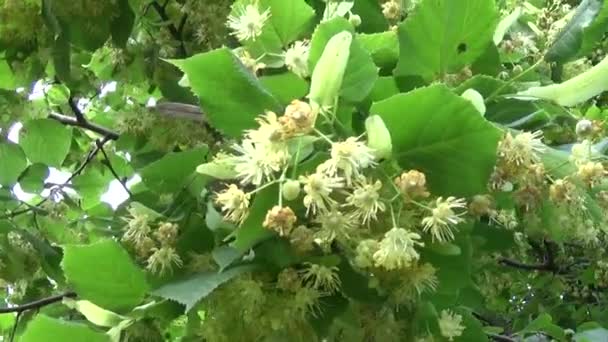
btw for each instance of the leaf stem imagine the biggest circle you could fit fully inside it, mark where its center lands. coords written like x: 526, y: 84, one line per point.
x: 512, y: 80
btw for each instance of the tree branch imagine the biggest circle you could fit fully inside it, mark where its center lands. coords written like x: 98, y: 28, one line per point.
x: 175, y: 32
x: 547, y: 253
x: 38, y: 303
x: 73, y: 121
x: 520, y: 265
x: 77, y: 112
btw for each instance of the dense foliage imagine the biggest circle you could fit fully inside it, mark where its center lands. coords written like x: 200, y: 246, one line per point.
x: 303, y: 170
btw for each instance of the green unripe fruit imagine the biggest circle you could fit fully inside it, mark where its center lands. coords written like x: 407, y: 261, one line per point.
x: 291, y: 189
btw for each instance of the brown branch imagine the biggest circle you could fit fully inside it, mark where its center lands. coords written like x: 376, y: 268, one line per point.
x: 547, y: 253
x: 175, y: 32
x: 73, y: 121
x: 38, y: 303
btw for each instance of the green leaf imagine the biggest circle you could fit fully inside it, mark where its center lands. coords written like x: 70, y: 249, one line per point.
x: 190, y: 291
x: 251, y: 231
x: 289, y: 19
x: 170, y: 173
x: 442, y: 36
x: 372, y: 19
x: 361, y: 72
x: 230, y: 95
x: 7, y: 79
x: 473, y: 329
x: 58, y: 95
x: 12, y: 163
x: 104, y: 273
x: 383, y: 47
x: 286, y: 87
x: 569, y: 41
x: 45, y: 141
x: 439, y: 133
x: 44, y: 328
x: 544, y: 323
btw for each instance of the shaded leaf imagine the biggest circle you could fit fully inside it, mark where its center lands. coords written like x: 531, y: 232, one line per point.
x: 170, y: 173
x: 12, y: 163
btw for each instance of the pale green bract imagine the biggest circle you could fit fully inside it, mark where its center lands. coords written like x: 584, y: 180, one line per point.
x: 328, y: 74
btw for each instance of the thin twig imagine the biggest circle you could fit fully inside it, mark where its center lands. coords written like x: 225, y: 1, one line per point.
x: 73, y: 121
x: 38, y: 303
x: 90, y: 156
x: 112, y: 170
x: 11, y: 337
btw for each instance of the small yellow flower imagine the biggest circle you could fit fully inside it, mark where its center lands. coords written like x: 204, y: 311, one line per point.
x: 321, y: 277
x: 591, y: 172
x: 167, y: 233
x: 396, y: 250
x: 280, y: 219
x: 163, y: 260
x: 365, y: 253
x: 366, y: 200
x: 318, y: 188
x: 523, y: 149
x: 582, y: 152
x: 450, y: 325
x: 256, y: 163
x: 247, y: 21
x: 392, y: 9
x: 234, y: 202
x: 480, y: 205
x: 296, y: 58
x: 299, y: 118
x: 412, y: 184
x: 348, y: 157
x: 337, y: 224
x: 443, y: 218
x: 302, y: 239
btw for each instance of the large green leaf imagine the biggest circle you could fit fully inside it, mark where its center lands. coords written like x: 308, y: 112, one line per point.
x: 582, y: 31
x: 442, y: 36
x: 171, y: 171
x: 230, y: 95
x: 190, y: 291
x: 104, y: 274
x: 439, y: 133
x: 91, y: 184
x: 32, y: 180
x: 12, y: 163
x: 44, y: 328
x: 45, y: 141
x: 361, y: 72
x: 7, y: 79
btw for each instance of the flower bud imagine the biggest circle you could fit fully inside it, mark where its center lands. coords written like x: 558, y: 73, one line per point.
x: 584, y: 128
x: 328, y: 73
x: 476, y: 99
x: 378, y: 137
x: 354, y: 20
x: 291, y: 189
